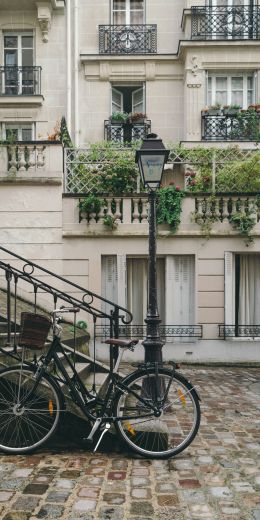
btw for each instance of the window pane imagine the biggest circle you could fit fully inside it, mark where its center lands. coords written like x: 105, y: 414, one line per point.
x: 136, y: 17
x: 250, y: 82
x: 237, y: 83
x: 11, y: 41
x: 250, y: 98
x: 11, y: 133
x: 27, y: 42
x: 26, y: 134
x: 237, y: 98
x: 119, y: 18
x: 119, y: 4
x: 136, y: 4
x: 10, y: 58
x: 221, y: 83
x: 27, y: 57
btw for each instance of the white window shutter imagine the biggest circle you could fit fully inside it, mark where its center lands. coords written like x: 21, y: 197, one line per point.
x: 138, y: 100
x: 109, y: 281
x: 121, y: 280
x: 229, y: 288
x: 117, y: 100
x: 180, y: 290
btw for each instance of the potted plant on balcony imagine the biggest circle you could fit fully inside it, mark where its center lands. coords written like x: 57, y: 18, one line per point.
x: 137, y: 117
x: 119, y: 117
x: 215, y: 110
x: 205, y: 111
x: 231, y: 110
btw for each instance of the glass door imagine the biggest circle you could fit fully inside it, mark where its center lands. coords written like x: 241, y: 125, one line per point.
x: 128, y: 12
x: 18, y: 62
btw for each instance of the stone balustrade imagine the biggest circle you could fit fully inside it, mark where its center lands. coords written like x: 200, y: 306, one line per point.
x: 130, y: 214
x: 31, y: 160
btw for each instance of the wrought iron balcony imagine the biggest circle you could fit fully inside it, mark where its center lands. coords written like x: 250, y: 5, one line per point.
x: 139, y: 331
x: 122, y: 132
x: 225, y: 22
x: 244, y: 126
x: 20, y: 81
x: 239, y: 331
x: 128, y: 39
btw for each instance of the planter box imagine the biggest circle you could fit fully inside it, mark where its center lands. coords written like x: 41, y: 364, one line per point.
x: 231, y: 111
x: 214, y: 112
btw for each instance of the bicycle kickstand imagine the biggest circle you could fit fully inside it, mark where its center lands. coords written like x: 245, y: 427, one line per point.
x: 106, y: 428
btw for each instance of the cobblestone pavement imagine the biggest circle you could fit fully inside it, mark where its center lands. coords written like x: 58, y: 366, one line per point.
x: 217, y: 477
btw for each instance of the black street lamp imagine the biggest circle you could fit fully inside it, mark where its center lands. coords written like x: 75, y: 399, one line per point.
x: 151, y: 159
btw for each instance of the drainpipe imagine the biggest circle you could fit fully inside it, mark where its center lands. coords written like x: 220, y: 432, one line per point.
x: 68, y: 33
x: 76, y: 73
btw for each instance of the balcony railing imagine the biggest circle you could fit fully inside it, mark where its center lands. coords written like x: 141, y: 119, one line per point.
x: 139, y: 331
x: 20, y: 81
x: 225, y: 22
x: 121, y: 132
x: 239, y: 331
x: 127, y: 39
x: 241, y: 127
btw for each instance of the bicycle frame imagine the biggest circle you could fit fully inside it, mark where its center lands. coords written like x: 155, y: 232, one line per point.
x: 79, y: 393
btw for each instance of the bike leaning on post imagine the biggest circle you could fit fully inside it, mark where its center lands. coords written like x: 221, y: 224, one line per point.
x: 154, y: 410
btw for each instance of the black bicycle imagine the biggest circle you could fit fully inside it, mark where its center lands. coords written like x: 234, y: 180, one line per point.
x: 154, y: 410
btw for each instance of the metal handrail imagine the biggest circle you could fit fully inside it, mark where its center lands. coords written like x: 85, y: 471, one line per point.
x: 88, y: 301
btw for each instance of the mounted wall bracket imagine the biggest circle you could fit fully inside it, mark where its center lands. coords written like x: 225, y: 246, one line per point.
x: 44, y: 15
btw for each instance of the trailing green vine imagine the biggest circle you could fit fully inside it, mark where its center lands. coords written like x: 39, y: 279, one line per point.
x: 169, y: 206
x: 244, y: 222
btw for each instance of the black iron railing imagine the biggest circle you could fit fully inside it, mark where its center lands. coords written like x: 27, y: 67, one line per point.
x: 240, y: 331
x: 24, y: 283
x: 225, y: 22
x: 128, y: 39
x: 121, y: 132
x: 20, y: 81
x: 166, y: 331
x: 244, y: 126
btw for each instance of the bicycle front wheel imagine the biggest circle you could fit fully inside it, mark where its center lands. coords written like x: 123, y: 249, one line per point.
x: 27, y: 419
x: 172, y: 428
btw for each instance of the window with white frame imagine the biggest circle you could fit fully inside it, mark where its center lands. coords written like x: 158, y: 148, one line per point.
x: 242, y: 289
x: 18, y: 131
x: 125, y: 279
x: 127, y: 12
x: 18, y: 62
x: 128, y: 98
x: 230, y: 89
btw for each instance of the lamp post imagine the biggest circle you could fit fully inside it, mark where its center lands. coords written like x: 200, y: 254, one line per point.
x: 151, y: 159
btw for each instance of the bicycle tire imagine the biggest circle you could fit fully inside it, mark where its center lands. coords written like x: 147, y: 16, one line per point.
x: 157, y: 437
x: 26, y: 429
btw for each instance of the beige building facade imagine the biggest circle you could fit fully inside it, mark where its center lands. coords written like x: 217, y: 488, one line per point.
x: 174, y: 62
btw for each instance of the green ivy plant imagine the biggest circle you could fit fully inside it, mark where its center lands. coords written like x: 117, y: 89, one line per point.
x: 91, y: 204
x: 244, y: 223
x: 169, y: 206
x: 110, y: 222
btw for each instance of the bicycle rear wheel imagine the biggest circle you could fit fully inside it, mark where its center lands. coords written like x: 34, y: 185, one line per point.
x: 177, y: 421
x: 24, y: 428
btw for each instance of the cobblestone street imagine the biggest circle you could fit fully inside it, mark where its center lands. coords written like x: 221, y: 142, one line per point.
x: 217, y: 477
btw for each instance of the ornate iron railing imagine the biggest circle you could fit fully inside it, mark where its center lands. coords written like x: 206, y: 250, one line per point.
x: 240, y: 331
x: 166, y: 331
x: 20, y: 81
x: 126, y: 132
x: 24, y: 283
x: 244, y: 126
x: 127, y: 39
x: 225, y: 22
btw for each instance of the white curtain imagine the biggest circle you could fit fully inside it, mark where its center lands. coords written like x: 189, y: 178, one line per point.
x: 249, y: 290
x: 137, y: 288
